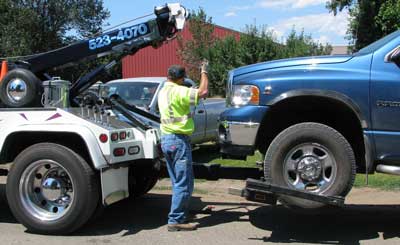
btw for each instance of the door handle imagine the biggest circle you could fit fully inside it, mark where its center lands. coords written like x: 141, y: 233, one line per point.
x: 200, y: 111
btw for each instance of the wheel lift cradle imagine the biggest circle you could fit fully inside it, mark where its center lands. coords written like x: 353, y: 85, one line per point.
x: 266, y: 192
x: 257, y: 188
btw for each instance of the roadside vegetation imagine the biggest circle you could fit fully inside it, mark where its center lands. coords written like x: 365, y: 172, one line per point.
x: 34, y: 26
x: 252, y: 45
x: 369, y: 20
x: 380, y: 181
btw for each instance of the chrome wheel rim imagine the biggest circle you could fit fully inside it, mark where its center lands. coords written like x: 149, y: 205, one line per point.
x: 16, y: 90
x: 46, y: 190
x: 310, y: 167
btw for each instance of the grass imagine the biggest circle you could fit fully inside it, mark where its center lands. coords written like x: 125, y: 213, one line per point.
x: 209, y: 153
x: 200, y: 180
x: 379, y: 181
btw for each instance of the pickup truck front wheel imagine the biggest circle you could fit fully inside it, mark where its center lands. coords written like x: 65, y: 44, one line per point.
x: 51, y: 189
x: 310, y: 157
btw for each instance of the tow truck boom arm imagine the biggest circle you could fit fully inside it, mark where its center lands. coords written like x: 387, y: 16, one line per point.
x: 22, y: 85
x: 169, y: 19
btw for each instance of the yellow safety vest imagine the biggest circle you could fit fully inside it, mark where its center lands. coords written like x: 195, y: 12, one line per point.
x: 174, y: 103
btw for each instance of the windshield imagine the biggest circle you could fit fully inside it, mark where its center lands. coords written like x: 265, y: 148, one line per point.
x: 134, y: 93
x: 378, y: 44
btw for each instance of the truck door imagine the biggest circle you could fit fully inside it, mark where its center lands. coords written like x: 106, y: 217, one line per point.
x: 385, y: 107
x: 199, y: 122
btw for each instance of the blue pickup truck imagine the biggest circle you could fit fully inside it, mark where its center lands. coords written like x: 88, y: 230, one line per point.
x: 317, y: 120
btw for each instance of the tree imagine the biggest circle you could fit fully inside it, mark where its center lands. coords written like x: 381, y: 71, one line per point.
x: 193, y: 51
x: 33, y: 26
x: 388, y: 19
x: 369, y: 19
x: 224, y: 55
x: 14, y: 29
x: 303, y: 45
x: 255, y: 44
x: 49, y: 24
x: 258, y: 44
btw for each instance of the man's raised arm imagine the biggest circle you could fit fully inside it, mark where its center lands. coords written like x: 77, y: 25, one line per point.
x: 203, y: 88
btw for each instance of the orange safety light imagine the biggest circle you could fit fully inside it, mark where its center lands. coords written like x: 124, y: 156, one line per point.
x: 255, y: 95
x: 4, y: 70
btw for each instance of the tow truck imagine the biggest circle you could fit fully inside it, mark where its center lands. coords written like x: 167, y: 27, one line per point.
x: 70, y: 156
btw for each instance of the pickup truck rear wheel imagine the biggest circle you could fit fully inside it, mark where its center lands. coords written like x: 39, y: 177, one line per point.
x: 310, y: 157
x: 51, y: 189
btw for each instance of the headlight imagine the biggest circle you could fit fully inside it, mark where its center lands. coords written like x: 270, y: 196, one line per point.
x: 229, y: 89
x: 245, y: 94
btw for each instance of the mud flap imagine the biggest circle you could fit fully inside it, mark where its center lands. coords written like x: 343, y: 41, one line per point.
x: 114, y: 185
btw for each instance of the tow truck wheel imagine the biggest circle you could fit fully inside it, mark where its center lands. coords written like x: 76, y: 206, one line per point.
x: 310, y: 157
x: 20, y: 88
x: 51, y: 189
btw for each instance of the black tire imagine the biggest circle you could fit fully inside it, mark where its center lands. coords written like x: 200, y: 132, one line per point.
x: 98, y: 212
x: 141, y: 181
x: 33, y: 89
x: 30, y: 209
x: 100, y: 208
x: 320, y: 141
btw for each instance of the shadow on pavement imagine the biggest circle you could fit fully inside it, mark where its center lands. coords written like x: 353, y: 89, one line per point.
x: 130, y: 216
x: 349, y: 225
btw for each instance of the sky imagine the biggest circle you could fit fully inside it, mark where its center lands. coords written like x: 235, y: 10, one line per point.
x: 281, y: 16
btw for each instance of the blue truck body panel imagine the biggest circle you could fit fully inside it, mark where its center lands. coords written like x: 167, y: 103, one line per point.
x: 348, y: 79
x: 366, y: 82
x: 245, y: 114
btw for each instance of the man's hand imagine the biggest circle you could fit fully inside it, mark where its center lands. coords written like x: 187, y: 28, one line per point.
x: 203, y: 89
x: 204, y: 66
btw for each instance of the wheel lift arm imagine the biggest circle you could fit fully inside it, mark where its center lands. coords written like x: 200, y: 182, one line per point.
x: 266, y: 192
x: 257, y: 188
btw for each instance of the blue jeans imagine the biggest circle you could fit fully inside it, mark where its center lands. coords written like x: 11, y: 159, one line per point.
x: 178, y: 154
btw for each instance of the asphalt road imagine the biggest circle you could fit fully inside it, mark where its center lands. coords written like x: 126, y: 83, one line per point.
x: 371, y: 217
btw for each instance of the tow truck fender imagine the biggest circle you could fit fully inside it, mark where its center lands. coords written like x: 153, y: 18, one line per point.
x: 95, y: 152
x: 114, y: 182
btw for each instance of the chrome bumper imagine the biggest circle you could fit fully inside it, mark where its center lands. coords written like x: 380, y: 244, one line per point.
x: 238, y: 133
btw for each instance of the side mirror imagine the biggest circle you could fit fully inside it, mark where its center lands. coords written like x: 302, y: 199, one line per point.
x: 395, y: 56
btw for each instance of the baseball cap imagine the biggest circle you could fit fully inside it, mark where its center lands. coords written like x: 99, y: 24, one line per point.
x: 176, y: 72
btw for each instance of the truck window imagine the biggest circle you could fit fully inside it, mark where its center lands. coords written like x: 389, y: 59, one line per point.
x: 134, y: 93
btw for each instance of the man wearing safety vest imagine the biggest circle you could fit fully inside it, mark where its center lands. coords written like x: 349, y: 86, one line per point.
x: 177, y: 125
